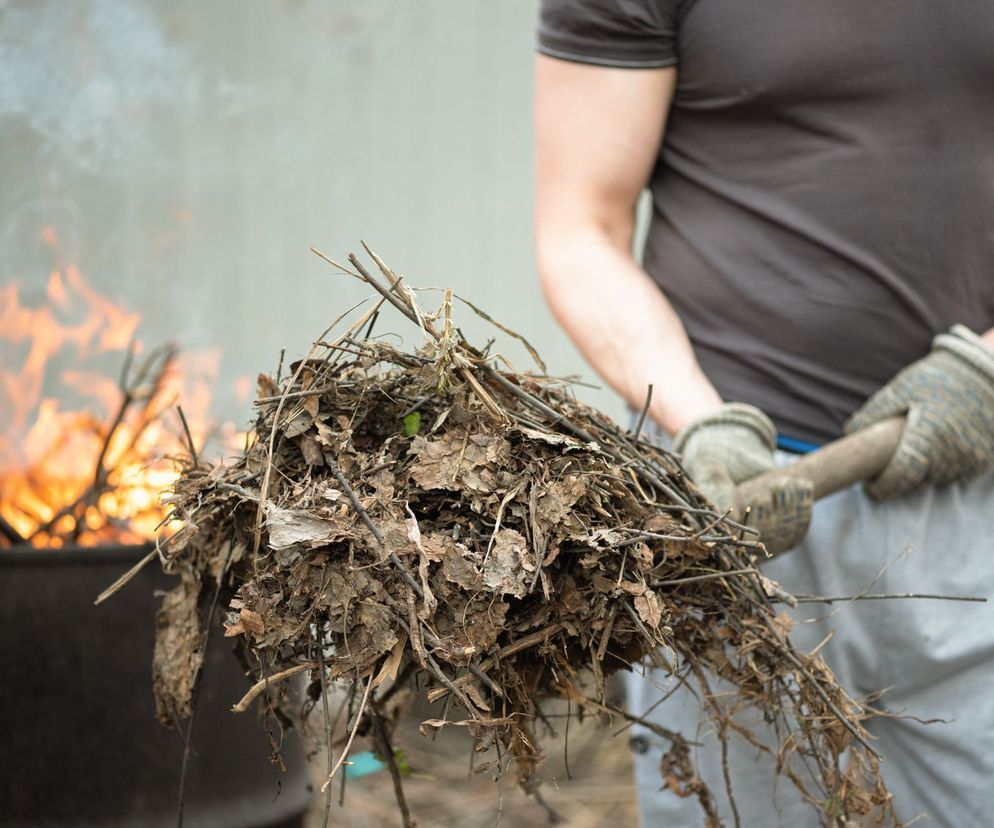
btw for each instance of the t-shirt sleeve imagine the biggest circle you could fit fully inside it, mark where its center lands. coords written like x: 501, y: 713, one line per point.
x: 624, y: 33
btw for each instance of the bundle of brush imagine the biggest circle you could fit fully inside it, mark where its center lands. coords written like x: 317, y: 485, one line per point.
x: 432, y: 514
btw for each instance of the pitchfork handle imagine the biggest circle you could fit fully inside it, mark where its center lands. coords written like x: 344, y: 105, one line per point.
x: 841, y: 463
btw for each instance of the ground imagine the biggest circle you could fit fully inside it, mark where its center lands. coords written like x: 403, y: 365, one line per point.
x: 597, y: 790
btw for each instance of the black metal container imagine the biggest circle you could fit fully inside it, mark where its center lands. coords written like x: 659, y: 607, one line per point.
x: 79, y: 742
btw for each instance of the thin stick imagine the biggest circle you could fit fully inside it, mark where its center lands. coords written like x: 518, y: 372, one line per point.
x: 662, y: 699
x: 484, y: 315
x: 268, y: 681
x: 372, y: 322
x: 382, y: 740
x: 552, y: 816
x: 843, y: 720
x: 569, y: 709
x: 718, y: 518
x: 884, y: 596
x: 129, y: 395
x: 364, y: 515
x: 327, y: 721
x: 416, y: 405
x: 9, y: 532
x: 293, y: 395
x: 541, y: 563
x: 649, y: 469
x: 657, y: 658
x: 495, y: 688
x: 411, y: 312
x: 450, y: 685
x: 709, y: 577
x: 389, y: 295
x: 127, y: 576
x: 642, y: 414
x: 670, y: 735
x: 270, y: 449
x: 727, y: 775
x: 352, y: 733
x: 189, y: 435
x: 515, y: 647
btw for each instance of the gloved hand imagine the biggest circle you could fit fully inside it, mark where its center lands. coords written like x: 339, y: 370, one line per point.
x: 948, y: 398
x: 734, y: 444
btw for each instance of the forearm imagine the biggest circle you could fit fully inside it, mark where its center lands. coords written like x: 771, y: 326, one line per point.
x: 624, y: 326
x: 988, y: 338
x: 597, y: 135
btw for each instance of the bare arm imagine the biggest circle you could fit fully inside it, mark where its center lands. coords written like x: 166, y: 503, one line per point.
x: 598, y: 132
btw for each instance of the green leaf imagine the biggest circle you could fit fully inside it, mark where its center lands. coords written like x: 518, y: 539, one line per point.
x: 402, y: 764
x: 412, y: 423
x: 834, y: 806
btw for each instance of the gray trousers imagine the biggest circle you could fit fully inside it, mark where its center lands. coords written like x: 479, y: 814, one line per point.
x: 937, y: 658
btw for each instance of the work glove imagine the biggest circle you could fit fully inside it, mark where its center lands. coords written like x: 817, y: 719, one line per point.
x: 732, y: 445
x: 948, y: 399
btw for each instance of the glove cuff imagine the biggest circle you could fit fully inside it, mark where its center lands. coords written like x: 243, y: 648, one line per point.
x: 963, y: 343
x: 733, y: 413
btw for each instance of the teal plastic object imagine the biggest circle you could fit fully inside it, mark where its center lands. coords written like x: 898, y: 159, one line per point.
x: 363, y: 764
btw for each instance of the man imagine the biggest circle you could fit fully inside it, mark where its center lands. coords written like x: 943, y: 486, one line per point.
x: 822, y: 232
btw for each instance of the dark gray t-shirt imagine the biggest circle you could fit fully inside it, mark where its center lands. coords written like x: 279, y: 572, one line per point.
x: 824, y: 196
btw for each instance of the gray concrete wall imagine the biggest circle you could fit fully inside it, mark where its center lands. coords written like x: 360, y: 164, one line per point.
x: 187, y: 152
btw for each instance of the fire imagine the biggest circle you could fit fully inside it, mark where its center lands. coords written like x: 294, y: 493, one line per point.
x: 85, y: 456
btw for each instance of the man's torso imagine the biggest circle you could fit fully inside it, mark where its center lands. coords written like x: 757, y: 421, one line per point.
x: 824, y: 196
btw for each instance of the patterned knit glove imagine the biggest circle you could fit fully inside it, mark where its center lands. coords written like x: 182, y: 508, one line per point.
x: 948, y: 398
x: 732, y: 445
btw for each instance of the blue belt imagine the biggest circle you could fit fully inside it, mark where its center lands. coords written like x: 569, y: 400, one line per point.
x: 795, y: 446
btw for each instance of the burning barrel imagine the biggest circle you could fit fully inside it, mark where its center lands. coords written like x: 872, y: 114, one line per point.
x: 81, y: 744
x: 81, y: 476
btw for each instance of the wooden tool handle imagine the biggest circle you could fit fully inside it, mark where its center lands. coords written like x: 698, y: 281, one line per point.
x: 835, y: 466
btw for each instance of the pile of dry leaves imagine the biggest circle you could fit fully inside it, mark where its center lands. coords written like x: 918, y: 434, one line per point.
x: 436, y: 515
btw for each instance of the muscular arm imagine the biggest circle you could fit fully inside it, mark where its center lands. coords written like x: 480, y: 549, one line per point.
x: 598, y: 132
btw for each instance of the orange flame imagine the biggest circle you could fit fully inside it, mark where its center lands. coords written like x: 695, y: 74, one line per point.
x: 50, y: 453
